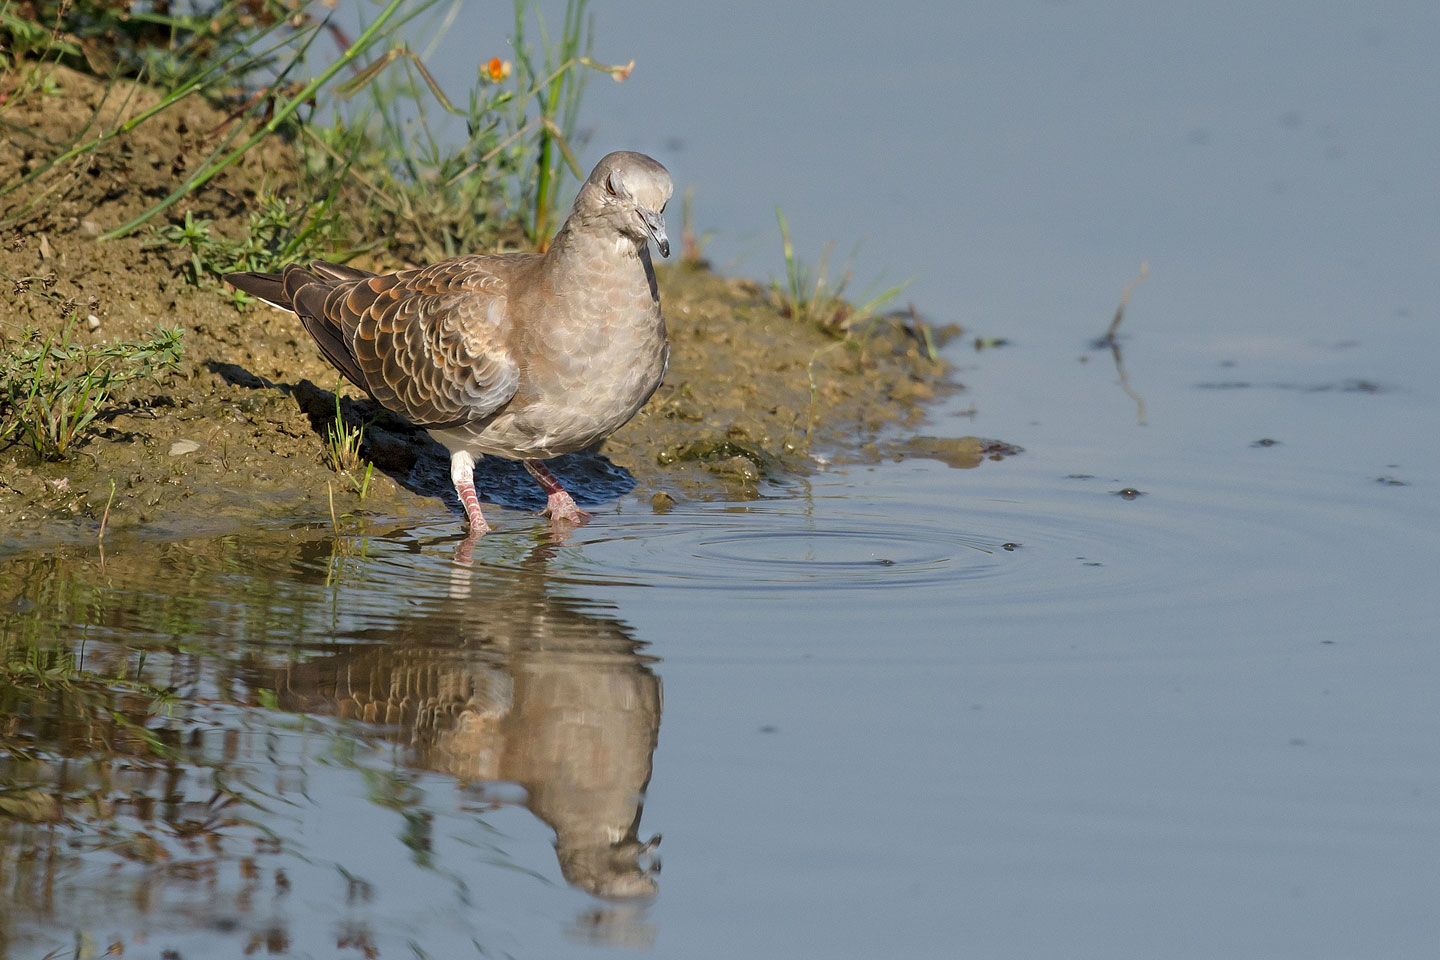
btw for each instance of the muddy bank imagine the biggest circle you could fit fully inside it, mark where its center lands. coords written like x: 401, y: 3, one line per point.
x: 235, y: 435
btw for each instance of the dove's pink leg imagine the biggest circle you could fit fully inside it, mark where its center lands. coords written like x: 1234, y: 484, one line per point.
x: 560, y: 505
x: 462, y: 472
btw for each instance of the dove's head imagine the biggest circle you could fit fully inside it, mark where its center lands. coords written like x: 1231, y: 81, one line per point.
x: 629, y: 191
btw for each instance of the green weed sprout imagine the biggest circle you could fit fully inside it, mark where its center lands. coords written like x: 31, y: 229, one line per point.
x: 814, y: 299
x: 52, y: 390
x: 342, y: 450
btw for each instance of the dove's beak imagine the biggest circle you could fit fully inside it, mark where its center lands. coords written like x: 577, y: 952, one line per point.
x: 655, y: 226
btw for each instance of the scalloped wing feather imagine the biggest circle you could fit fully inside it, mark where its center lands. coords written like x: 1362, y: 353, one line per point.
x: 430, y: 343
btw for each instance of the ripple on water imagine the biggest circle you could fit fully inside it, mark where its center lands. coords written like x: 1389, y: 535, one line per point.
x: 1046, y: 550
x: 1056, y: 546
x: 775, y: 550
x: 1053, y: 549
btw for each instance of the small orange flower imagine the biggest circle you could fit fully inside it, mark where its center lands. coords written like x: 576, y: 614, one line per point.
x: 498, y: 69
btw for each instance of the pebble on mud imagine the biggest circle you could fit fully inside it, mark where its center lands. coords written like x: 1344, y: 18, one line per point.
x: 959, y: 452
x: 739, y: 468
x: 181, y: 447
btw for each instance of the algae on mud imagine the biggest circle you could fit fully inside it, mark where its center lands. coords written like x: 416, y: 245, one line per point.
x: 234, y: 437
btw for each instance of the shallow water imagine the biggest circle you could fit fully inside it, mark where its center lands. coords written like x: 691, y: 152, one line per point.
x: 904, y: 707
x: 907, y: 710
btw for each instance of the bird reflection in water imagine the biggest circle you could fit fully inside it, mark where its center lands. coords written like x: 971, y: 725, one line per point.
x: 508, y: 682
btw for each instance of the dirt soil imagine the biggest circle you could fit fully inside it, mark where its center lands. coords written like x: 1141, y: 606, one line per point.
x: 235, y: 437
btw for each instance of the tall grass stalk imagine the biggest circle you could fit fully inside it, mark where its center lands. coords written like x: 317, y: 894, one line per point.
x: 509, y: 171
x: 213, y: 73
x: 559, y: 102
x: 519, y: 127
x: 283, y: 109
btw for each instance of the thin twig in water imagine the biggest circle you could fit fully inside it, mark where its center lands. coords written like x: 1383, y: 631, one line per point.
x: 1109, y: 336
x: 1125, y: 383
x: 1110, y: 341
x: 105, y: 517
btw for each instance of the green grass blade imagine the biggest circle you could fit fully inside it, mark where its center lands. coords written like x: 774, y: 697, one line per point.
x: 356, y: 49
